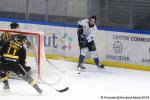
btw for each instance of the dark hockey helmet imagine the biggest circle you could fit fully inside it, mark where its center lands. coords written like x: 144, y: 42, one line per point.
x: 21, y: 37
x: 14, y: 25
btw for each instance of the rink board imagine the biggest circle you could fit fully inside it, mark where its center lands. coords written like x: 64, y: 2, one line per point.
x: 115, y: 47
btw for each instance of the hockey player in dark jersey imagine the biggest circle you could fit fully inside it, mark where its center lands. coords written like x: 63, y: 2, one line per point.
x: 13, y: 59
x: 7, y: 36
x: 86, y: 34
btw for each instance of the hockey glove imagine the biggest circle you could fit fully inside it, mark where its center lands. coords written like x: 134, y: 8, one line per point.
x: 28, y: 44
x: 89, y: 39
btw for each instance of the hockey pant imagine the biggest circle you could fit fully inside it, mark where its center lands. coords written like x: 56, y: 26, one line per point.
x: 16, y: 68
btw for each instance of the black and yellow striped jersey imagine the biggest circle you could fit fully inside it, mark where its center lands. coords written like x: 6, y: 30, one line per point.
x: 6, y: 36
x: 13, y: 51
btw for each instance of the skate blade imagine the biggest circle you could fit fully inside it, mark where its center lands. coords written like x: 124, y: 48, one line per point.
x: 80, y: 70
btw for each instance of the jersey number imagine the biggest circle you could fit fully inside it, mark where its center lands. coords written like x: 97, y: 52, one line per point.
x: 12, y: 50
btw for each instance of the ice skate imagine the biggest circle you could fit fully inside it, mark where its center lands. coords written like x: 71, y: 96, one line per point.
x: 81, y: 67
x: 6, y: 86
x: 101, y: 66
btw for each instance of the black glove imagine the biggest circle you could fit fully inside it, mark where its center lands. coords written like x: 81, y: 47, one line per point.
x: 80, y: 30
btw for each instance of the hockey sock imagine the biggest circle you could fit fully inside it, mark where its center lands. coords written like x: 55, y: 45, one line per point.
x: 96, y: 60
x: 3, y: 77
x: 81, y: 58
x: 29, y: 79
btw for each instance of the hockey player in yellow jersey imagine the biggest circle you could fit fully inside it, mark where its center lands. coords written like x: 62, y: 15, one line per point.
x: 13, y: 59
x: 7, y: 36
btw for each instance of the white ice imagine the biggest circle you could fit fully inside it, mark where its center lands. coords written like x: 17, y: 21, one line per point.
x: 89, y: 85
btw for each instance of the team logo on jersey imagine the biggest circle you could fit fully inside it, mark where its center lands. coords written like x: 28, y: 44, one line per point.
x: 66, y: 41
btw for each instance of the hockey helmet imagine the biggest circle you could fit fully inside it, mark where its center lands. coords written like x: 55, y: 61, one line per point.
x: 14, y: 25
x: 6, y: 36
x: 21, y: 38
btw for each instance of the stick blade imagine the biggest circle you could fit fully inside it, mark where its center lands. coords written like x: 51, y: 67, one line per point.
x: 63, y: 90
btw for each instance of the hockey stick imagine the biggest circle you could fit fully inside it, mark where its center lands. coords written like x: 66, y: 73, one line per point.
x: 51, y: 85
x: 62, y: 71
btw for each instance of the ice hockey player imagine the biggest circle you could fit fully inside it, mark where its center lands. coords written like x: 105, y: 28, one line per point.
x: 86, y: 33
x: 7, y: 36
x: 13, y: 59
x: 16, y: 26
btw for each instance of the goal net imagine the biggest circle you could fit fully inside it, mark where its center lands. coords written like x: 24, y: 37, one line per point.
x: 36, y: 59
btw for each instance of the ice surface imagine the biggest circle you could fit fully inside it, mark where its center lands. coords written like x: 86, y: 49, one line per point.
x: 89, y: 85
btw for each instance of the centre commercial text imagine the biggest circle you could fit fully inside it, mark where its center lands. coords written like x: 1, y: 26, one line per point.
x: 133, y: 38
x: 128, y: 38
